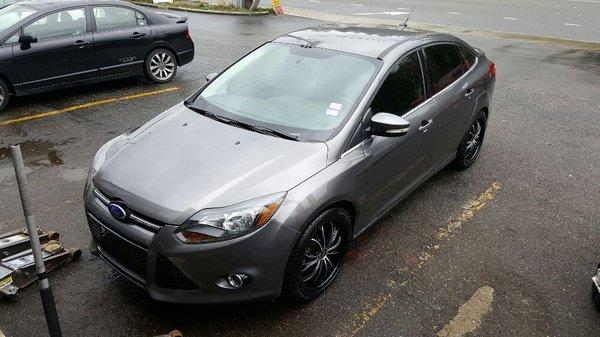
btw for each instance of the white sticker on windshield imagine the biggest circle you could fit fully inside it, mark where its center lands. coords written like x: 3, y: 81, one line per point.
x: 335, y: 106
x: 334, y: 109
x: 332, y: 112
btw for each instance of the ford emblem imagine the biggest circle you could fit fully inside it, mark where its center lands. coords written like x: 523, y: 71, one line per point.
x: 117, y: 211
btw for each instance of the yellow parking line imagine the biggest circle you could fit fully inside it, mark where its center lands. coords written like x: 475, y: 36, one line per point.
x: 374, y: 305
x: 86, y: 105
x: 470, y: 314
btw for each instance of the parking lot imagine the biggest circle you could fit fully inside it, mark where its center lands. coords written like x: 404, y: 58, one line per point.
x: 507, y: 247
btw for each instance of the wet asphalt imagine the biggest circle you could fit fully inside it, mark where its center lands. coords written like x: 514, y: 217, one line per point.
x: 534, y: 240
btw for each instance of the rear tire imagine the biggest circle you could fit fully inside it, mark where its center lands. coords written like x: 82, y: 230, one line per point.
x: 470, y: 146
x: 318, y: 255
x: 160, y: 66
x: 4, y: 95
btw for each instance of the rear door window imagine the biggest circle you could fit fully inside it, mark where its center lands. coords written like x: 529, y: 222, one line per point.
x: 403, y: 89
x: 114, y: 18
x: 468, y: 57
x: 60, y: 24
x: 444, y: 65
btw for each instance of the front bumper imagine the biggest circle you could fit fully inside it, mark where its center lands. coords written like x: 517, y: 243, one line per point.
x: 172, y: 271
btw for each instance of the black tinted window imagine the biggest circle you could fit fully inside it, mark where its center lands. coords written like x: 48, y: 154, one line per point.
x: 444, y: 64
x: 403, y: 89
x: 66, y: 23
x: 468, y: 56
x: 110, y: 18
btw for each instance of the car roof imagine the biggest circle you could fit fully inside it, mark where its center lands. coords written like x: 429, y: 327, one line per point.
x: 366, y: 40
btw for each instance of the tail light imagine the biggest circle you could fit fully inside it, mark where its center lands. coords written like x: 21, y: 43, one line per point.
x: 492, y: 69
x: 188, y: 34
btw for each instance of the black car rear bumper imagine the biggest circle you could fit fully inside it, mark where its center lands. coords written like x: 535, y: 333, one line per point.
x: 185, y: 57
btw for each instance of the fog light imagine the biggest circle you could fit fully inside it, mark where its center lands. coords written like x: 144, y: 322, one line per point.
x: 233, y: 281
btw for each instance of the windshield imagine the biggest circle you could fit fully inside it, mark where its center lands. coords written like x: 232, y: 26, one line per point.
x: 12, y: 14
x: 305, y: 92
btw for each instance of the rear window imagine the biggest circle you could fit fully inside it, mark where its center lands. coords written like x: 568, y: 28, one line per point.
x: 113, y: 18
x: 444, y: 64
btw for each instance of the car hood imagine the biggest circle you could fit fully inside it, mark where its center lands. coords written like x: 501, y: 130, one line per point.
x: 182, y: 162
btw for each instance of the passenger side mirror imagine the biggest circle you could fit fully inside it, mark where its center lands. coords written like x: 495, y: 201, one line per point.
x: 209, y: 77
x: 388, y: 125
x: 26, y: 41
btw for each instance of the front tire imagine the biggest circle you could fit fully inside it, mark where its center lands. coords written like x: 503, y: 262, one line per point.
x: 4, y: 95
x: 318, y: 255
x: 160, y: 66
x: 470, y: 146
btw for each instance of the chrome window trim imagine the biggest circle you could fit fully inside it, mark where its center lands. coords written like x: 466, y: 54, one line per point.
x: 443, y: 90
x: 406, y: 114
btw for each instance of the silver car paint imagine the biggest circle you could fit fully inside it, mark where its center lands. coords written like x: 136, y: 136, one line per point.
x: 171, y: 180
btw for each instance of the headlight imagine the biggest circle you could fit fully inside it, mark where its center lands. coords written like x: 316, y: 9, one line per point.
x: 100, y: 158
x: 216, y: 224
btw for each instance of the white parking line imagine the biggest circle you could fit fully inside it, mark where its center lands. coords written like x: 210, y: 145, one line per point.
x: 454, y: 13
x: 509, y: 18
x: 572, y: 24
x: 314, y: 1
x: 356, y: 5
x: 383, y: 13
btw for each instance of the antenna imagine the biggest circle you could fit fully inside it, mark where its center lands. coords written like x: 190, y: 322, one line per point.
x: 405, y: 23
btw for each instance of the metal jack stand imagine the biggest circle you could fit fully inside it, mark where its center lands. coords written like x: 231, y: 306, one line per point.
x: 17, y: 270
x: 36, y: 250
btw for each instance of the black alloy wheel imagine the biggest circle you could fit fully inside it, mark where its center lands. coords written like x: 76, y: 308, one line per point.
x: 318, y: 255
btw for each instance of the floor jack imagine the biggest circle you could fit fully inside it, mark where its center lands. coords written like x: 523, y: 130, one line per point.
x: 17, y: 267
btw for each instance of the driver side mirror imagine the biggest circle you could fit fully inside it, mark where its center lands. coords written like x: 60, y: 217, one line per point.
x: 388, y: 125
x: 209, y: 77
x: 26, y: 41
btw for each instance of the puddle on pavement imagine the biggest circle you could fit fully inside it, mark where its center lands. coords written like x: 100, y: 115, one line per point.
x: 35, y: 153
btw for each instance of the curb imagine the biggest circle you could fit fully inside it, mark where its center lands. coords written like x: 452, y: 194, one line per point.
x: 195, y: 10
x: 439, y: 28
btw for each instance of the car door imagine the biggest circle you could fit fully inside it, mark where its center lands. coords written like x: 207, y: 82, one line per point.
x: 62, y: 54
x: 121, y: 38
x: 453, y: 97
x: 396, y: 164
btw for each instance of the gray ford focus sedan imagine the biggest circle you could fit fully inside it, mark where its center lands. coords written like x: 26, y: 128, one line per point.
x: 257, y: 184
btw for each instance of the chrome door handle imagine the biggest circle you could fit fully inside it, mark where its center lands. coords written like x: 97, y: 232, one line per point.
x: 137, y: 35
x: 425, y: 125
x: 469, y: 92
x: 80, y: 43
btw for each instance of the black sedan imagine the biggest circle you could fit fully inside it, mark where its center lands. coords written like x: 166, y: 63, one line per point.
x: 51, y: 44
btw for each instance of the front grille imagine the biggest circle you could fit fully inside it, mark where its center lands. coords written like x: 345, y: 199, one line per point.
x: 135, y: 217
x: 170, y: 277
x: 129, y: 255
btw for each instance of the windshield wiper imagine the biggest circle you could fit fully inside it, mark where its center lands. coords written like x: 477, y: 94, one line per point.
x: 267, y: 131
x: 256, y: 128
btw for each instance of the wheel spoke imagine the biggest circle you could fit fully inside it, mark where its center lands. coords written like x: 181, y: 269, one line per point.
x: 332, y: 248
x: 313, y: 273
x: 478, y: 130
x: 318, y: 243
x: 309, y: 264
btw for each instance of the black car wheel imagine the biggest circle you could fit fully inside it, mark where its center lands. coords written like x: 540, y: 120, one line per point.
x: 470, y: 146
x: 160, y: 66
x: 318, y: 255
x: 4, y: 95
